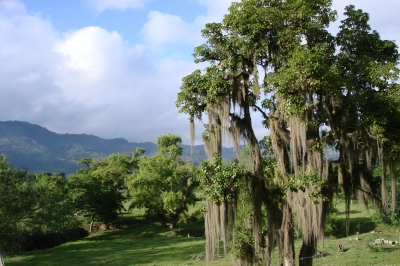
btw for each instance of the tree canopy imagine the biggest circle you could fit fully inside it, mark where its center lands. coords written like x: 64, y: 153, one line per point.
x: 163, y: 184
x: 98, y: 190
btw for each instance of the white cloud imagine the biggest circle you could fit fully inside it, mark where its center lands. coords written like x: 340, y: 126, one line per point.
x: 102, y: 5
x: 216, y: 9
x: 10, y: 6
x: 85, y: 81
x: 27, y: 60
x: 90, y: 50
x: 125, y: 92
x: 164, y: 28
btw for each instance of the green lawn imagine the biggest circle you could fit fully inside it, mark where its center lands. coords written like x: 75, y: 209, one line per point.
x: 142, y: 243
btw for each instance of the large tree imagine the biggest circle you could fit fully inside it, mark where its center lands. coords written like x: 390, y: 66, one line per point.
x: 253, y: 34
x: 317, y: 91
x: 366, y: 67
x: 54, y: 211
x: 163, y: 184
x: 98, y: 191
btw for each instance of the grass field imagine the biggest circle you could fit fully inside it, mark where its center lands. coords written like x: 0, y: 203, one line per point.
x: 145, y: 243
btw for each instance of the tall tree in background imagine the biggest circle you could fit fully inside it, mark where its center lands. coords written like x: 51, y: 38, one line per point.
x: 366, y: 66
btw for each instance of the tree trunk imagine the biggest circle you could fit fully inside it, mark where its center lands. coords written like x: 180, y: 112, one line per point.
x: 162, y: 220
x: 91, y: 226
x: 257, y: 183
x: 287, y: 237
x: 181, y: 209
x: 307, y: 252
x: 394, y: 194
x: 212, y: 230
x: 1, y: 258
x: 269, y: 246
x: 163, y: 223
x: 174, y: 222
x: 384, y: 187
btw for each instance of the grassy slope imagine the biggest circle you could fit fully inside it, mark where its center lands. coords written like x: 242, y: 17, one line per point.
x: 145, y: 244
x: 364, y: 251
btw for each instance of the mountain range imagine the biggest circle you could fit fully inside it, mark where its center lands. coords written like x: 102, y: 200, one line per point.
x: 39, y: 150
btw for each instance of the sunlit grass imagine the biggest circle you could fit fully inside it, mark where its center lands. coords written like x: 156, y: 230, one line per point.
x: 147, y: 245
x: 140, y: 242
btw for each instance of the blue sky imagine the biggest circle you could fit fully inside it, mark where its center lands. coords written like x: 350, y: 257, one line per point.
x: 112, y: 68
x: 127, y: 20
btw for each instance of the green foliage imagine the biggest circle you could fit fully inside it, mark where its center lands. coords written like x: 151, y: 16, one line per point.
x: 332, y: 225
x: 392, y: 219
x: 17, y: 200
x: 243, y: 246
x: 35, y: 211
x: 198, y: 89
x: 98, y: 190
x: 93, y: 199
x: 197, y: 215
x: 242, y: 237
x: 312, y: 183
x: 163, y: 184
x: 343, y: 85
x: 395, y: 219
x: 54, y: 208
x: 169, y: 144
x: 219, y: 181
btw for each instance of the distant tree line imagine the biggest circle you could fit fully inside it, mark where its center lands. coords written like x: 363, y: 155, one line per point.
x: 36, y: 211
x: 43, y: 210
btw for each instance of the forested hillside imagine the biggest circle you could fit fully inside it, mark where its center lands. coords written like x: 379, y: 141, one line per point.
x: 40, y: 150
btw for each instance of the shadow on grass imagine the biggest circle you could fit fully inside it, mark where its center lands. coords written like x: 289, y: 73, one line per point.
x: 143, y: 229
x: 358, y: 225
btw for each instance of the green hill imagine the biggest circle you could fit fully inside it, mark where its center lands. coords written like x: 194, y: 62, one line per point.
x: 35, y: 148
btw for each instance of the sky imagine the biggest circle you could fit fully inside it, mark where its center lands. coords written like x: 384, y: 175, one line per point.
x: 113, y: 68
